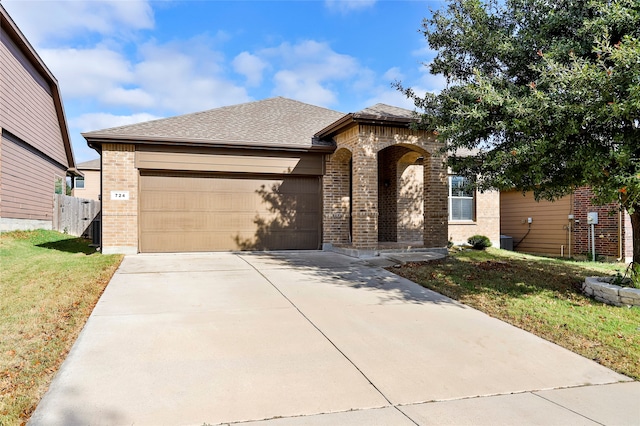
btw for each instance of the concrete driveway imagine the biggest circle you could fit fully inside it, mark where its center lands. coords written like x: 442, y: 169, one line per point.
x: 312, y: 338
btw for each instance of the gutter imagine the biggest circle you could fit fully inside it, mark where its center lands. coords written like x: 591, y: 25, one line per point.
x: 95, y: 141
x: 74, y: 172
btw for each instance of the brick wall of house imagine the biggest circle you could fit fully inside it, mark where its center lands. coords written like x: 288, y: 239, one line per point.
x: 606, y: 231
x: 119, y: 217
x: 487, y: 220
x: 335, y: 188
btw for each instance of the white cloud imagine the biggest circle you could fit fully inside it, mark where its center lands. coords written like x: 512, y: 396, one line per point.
x: 100, y: 120
x: 177, y: 77
x: 425, y: 82
x: 393, y: 74
x: 310, y: 71
x: 425, y: 53
x: 87, y: 72
x: 345, y: 6
x: 250, y: 66
x: 313, y: 59
x: 292, y: 85
x: 186, y: 77
x: 63, y: 20
x: 431, y: 82
x: 135, y: 98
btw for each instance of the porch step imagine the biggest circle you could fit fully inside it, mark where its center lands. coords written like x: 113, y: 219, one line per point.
x: 397, y: 254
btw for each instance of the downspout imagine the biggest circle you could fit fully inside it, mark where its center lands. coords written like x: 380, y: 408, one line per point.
x: 620, y: 225
x: 572, y: 222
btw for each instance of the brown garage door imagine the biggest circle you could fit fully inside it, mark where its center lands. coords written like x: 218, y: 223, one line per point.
x: 182, y: 213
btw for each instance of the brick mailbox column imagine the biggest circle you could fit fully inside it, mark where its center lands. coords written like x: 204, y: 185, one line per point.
x: 119, y: 199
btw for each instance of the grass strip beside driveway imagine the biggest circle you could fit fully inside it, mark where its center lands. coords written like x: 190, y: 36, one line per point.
x: 49, y: 284
x: 542, y: 296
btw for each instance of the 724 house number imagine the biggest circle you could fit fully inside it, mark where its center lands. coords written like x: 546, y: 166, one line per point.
x: 119, y: 195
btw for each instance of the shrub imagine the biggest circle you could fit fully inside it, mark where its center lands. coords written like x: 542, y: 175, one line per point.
x: 479, y: 242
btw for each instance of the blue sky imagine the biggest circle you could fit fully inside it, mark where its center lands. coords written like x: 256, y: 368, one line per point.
x: 120, y: 62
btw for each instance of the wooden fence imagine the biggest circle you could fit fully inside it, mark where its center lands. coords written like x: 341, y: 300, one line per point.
x: 73, y: 215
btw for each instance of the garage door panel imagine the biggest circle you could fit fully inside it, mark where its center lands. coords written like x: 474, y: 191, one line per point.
x: 197, y: 221
x: 213, y: 213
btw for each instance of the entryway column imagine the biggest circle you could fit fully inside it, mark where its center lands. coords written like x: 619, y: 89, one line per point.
x: 436, y: 202
x: 365, y: 194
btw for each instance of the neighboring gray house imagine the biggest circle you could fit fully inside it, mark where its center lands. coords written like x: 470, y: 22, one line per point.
x: 35, y: 149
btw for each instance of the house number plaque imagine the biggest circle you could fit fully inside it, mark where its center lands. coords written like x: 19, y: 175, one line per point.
x: 119, y: 195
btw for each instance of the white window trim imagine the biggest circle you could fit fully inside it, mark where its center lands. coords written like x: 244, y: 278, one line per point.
x: 75, y: 182
x: 450, y: 201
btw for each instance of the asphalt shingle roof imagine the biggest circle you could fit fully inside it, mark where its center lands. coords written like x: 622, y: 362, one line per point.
x: 89, y: 165
x: 269, y: 122
x: 385, y: 111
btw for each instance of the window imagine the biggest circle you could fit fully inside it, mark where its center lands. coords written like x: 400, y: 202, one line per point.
x: 461, y: 203
x: 59, y: 185
x: 79, y: 182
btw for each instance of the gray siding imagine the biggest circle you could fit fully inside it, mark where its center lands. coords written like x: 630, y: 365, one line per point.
x: 27, y: 183
x: 28, y: 110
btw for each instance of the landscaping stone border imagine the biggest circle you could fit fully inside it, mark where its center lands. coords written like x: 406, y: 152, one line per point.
x: 610, y: 293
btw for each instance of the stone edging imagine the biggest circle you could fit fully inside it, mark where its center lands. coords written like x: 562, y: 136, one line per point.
x: 611, y: 294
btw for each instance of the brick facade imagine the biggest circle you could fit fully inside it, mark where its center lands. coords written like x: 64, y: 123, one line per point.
x: 611, y: 225
x: 486, y: 222
x: 377, y: 172
x: 119, y: 217
x: 336, y: 203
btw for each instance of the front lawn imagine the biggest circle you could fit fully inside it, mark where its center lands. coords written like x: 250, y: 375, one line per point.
x: 49, y: 284
x: 542, y: 296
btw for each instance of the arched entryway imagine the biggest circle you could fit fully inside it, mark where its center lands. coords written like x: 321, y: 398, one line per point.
x: 401, y: 194
x: 384, y: 184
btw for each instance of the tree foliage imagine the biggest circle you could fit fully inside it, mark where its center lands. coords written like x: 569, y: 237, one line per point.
x: 545, y: 95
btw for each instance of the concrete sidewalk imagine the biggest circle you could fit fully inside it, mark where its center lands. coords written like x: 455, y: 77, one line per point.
x: 312, y: 338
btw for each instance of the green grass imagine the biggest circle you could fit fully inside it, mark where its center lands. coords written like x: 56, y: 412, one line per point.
x: 542, y: 296
x: 49, y: 284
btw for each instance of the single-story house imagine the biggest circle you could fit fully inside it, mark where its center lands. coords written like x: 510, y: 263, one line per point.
x: 561, y: 228
x: 87, y: 186
x: 35, y: 148
x: 281, y: 174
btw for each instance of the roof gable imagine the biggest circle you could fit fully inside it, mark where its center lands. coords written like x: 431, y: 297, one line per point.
x: 378, y: 114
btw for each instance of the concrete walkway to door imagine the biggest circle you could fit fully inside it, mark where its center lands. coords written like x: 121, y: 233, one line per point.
x: 312, y: 338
